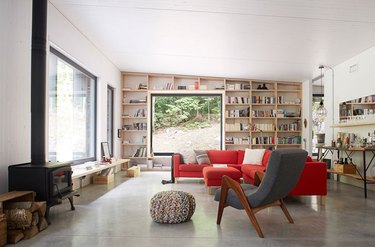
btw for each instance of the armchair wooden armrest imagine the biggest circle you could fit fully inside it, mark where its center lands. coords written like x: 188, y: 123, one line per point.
x: 258, y: 178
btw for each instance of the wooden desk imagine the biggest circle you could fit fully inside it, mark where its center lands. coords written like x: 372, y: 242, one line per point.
x: 80, y: 171
x: 323, y: 151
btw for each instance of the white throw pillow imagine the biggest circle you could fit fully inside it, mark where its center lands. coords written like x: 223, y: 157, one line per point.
x: 253, y: 156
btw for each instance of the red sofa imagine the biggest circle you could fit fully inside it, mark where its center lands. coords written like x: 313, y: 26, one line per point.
x: 313, y: 180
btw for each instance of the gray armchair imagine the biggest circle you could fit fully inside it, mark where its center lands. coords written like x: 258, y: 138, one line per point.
x: 284, y: 169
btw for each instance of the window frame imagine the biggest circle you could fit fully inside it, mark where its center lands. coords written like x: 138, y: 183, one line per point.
x: 76, y: 66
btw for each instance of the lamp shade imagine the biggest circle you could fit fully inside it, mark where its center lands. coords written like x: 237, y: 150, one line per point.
x: 320, y: 113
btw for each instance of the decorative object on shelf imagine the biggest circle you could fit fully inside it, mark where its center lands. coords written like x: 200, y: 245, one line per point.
x: 321, y: 113
x: 106, y: 153
x: 264, y: 87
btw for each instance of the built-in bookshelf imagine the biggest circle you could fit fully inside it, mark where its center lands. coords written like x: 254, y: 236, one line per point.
x: 257, y: 113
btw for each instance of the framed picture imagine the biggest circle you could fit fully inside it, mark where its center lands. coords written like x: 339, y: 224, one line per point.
x: 106, y: 153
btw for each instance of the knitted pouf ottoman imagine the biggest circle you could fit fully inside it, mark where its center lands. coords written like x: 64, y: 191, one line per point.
x: 172, y: 207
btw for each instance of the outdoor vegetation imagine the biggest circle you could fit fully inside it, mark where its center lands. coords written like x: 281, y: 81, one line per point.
x: 183, y: 123
x: 186, y: 111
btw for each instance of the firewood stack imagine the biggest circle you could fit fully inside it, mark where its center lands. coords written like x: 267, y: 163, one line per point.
x: 24, y: 220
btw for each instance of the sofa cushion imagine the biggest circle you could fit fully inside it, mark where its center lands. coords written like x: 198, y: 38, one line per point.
x: 202, y: 157
x: 222, y: 156
x: 188, y: 157
x: 253, y: 156
x: 250, y: 170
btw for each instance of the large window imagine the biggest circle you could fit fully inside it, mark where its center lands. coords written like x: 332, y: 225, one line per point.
x: 72, y: 111
x: 184, y: 123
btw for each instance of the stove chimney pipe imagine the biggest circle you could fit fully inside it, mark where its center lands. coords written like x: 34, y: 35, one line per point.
x: 38, y: 82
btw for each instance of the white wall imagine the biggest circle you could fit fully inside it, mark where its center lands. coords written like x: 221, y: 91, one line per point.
x: 348, y: 86
x: 15, y: 73
x: 65, y: 37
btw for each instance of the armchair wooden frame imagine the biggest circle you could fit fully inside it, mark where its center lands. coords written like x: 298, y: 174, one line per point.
x: 228, y: 183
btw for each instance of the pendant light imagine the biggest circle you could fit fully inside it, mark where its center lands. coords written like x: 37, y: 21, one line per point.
x: 321, y: 113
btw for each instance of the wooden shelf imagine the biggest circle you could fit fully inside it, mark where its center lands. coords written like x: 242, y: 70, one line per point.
x: 263, y: 90
x: 240, y: 90
x: 228, y: 144
x: 286, y: 118
x: 359, y: 123
x: 237, y: 104
x: 134, y: 90
x: 355, y: 176
x: 286, y: 145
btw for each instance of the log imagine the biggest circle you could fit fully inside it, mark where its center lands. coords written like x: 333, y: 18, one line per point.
x: 43, y: 224
x: 14, y: 236
x: 18, y: 218
x: 3, y: 230
x: 35, y: 219
x: 41, y: 208
x: 30, y: 232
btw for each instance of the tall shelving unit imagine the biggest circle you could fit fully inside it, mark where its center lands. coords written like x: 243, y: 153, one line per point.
x: 289, y: 126
x: 257, y: 113
x: 134, y: 117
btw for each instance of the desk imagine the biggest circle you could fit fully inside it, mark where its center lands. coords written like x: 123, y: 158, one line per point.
x: 323, y: 151
x: 80, y: 171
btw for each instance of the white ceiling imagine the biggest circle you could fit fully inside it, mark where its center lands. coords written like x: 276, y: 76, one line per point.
x: 262, y: 39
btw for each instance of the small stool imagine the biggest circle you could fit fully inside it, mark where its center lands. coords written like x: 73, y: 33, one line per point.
x: 172, y: 207
x: 212, y: 176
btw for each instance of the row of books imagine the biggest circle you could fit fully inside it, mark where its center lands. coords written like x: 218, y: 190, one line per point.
x: 237, y: 113
x: 237, y: 127
x: 135, y: 126
x: 263, y: 127
x: 236, y: 100
x: 142, y: 86
x: 289, y: 140
x: 138, y: 101
x: 263, y: 100
x: 237, y: 140
x: 264, y: 140
x: 140, y: 113
x: 264, y: 113
x: 238, y: 86
x: 140, y: 152
x: 288, y: 127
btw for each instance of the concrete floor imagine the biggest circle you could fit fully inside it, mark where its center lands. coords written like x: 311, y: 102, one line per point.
x: 118, y: 215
